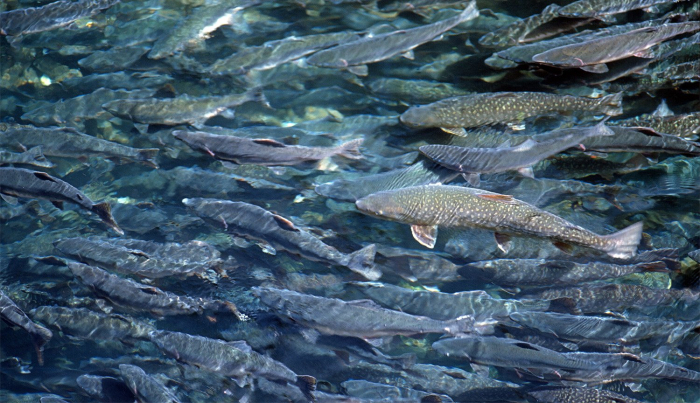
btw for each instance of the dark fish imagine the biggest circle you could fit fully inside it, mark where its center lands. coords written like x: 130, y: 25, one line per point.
x: 474, y: 161
x: 146, y: 388
x: 17, y: 182
x: 183, y: 109
x: 139, y: 297
x: 263, y: 151
x: 374, y: 48
x: 142, y: 258
x: 503, y: 352
x: 446, y: 306
x: 541, y: 272
x: 414, y: 91
x: 15, y: 317
x: 359, y: 318
x: 51, y: 16
x: 33, y: 156
x: 427, y: 207
x: 453, y: 114
x: 114, y: 59
x: 581, y: 166
x: 572, y: 394
x: 274, y: 53
x: 68, y: 142
x: 87, y: 324
x: 105, y: 388
x: 685, y: 125
x: 605, y: 329
x: 254, y: 222
x: 595, y: 8
x: 592, y: 55
x: 641, y: 140
x: 420, y: 173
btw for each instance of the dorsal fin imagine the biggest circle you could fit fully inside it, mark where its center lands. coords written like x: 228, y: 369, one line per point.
x: 285, y: 223
x: 44, y: 176
x: 269, y: 142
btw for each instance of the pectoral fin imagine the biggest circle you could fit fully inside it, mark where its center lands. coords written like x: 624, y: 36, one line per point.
x: 425, y: 234
x: 361, y: 71
x: 57, y: 204
x: 564, y: 247
x: 10, y: 199
x: 504, y: 241
x: 595, y: 68
x: 457, y: 131
x: 473, y: 179
x: 527, y: 172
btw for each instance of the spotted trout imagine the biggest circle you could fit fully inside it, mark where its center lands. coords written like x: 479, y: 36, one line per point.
x: 427, y: 207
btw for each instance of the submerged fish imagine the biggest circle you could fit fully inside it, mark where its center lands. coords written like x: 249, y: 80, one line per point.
x: 18, y: 182
x: 427, y: 207
x: 263, y: 151
x: 87, y: 324
x: 374, y: 48
x: 15, y: 317
x: 33, y: 156
x: 145, y: 387
x: 359, y: 318
x: 453, y: 114
x: 572, y: 394
x: 51, y: 16
x: 255, y: 222
x: 595, y: 8
x: 475, y: 161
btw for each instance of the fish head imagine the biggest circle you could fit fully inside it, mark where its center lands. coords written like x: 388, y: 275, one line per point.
x: 419, y: 116
x: 384, y: 205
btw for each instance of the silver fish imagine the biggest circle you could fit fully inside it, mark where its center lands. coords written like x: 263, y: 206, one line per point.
x: 11, y: 314
x: 51, y: 16
x: 145, y: 387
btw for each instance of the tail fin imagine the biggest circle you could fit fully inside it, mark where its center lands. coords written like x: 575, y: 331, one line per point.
x: 463, y: 324
x: 257, y: 95
x: 40, y: 336
x: 307, y: 385
x: 470, y: 12
x: 148, y: 155
x: 362, y: 262
x: 38, y: 158
x: 350, y: 150
x: 104, y: 211
x: 611, y: 104
x: 623, y: 244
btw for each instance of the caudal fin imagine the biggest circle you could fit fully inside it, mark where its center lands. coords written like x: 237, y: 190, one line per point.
x: 40, y: 336
x: 623, y: 244
x: 148, y: 156
x: 350, y: 150
x: 104, y: 211
x: 611, y: 105
x: 362, y: 262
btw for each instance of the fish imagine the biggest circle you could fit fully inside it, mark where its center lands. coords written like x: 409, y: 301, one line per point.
x: 474, y: 161
x: 105, y: 388
x: 19, y: 182
x: 542, y: 272
x: 139, y: 297
x: 263, y: 151
x: 112, y: 60
x: 446, y: 306
x: 51, y: 16
x: 456, y: 113
x: 274, y: 53
x: 682, y: 125
x: 641, y: 140
x: 358, y: 318
x: 86, y: 324
x: 581, y: 166
x: 182, y: 109
x: 592, y: 55
x: 414, y: 91
x: 11, y: 314
x: 235, y: 358
x: 504, y: 352
x: 427, y: 207
x: 378, y: 391
x: 32, y: 156
x: 146, y: 388
x: 605, y: 329
x: 354, y: 56
x: 420, y: 173
x: 142, y: 258
x: 69, y: 142
x: 573, y: 394
x: 256, y: 223
x: 596, y: 8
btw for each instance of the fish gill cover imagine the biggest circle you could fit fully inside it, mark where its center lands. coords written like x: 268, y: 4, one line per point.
x: 349, y: 200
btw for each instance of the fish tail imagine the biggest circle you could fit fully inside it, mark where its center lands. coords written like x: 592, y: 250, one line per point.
x: 256, y: 95
x: 104, y: 211
x: 350, y: 150
x: 307, y: 385
x: 623, y: 244
x: 362, y: 262
x: 39, y: 158
x: 611, y: 104
x: 148, y: 156
x: 469, y: 12
x: 39, y: 339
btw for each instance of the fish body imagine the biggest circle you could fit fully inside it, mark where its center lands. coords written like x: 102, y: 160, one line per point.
x: 91, y: 325
x: 254, y: 222
x: 427, y: 207
x: 33, y: 156
x: 18, y: 182
x: 68, y: 142
x: 520, y: 157
x: 504, y: 352
x: 262, y: 151
x: 51, y: 16
x: 503, y: 107
x: 572, y: 394
x: 414, y: 91
x: 359, y: 318
x: 11, y: 314
x: 145, y: 387
x: 183, y: 109
x: 641, y: 140
x: 371, y: 49
x: 596, y: 8
x: 685, y: 125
